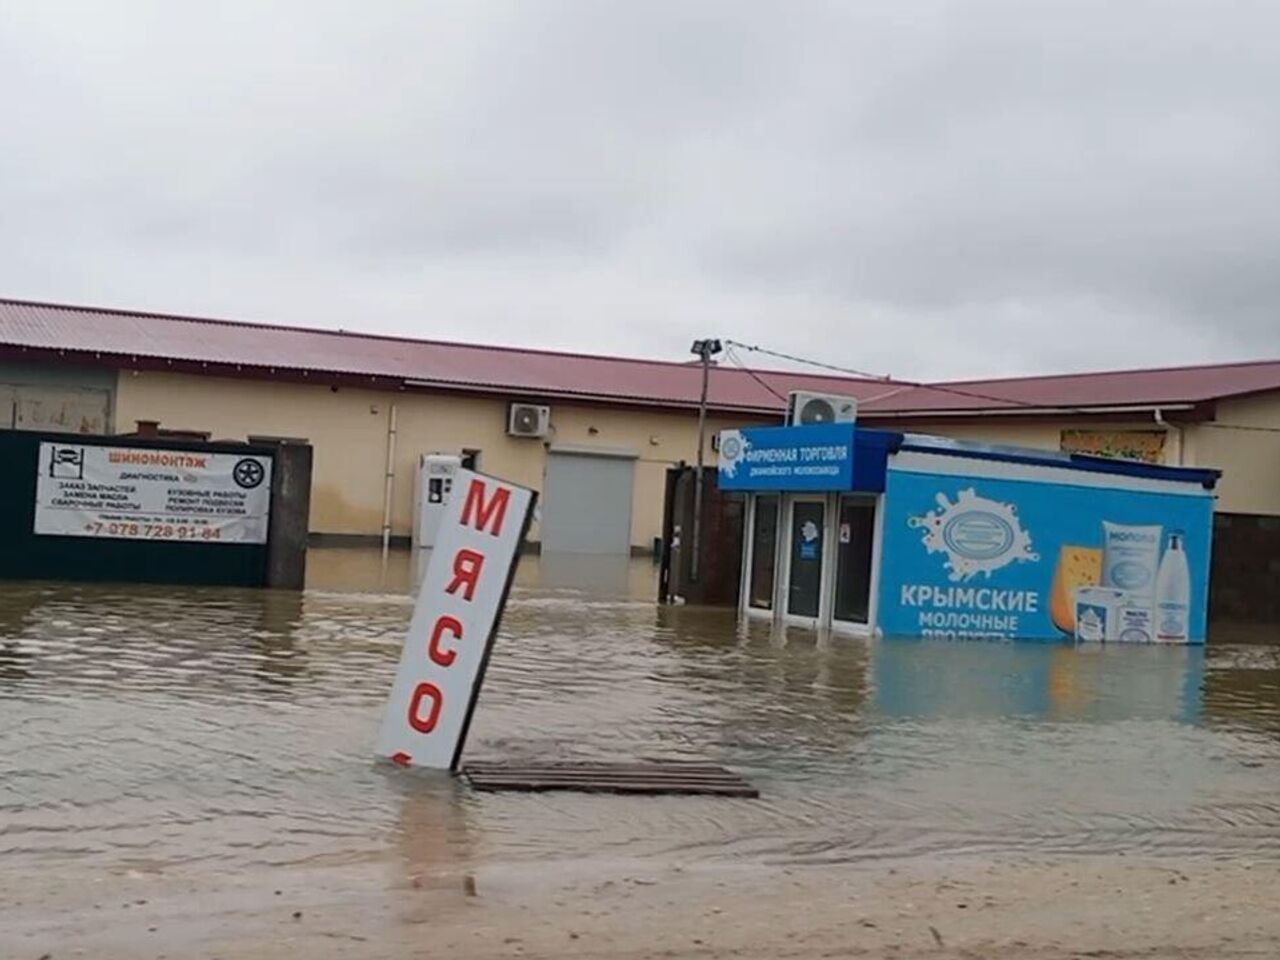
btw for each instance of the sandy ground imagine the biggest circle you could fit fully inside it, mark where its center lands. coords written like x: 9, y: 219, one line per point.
x: 970, y: 908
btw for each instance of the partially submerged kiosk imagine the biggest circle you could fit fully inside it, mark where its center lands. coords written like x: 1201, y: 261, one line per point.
x: 899, y: 534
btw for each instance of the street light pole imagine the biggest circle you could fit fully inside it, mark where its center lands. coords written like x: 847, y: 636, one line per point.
x: 705, y: 349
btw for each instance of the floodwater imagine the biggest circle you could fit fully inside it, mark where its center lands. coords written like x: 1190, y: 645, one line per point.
x: 208, y: 729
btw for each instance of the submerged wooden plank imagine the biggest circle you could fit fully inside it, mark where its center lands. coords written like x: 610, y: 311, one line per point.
x: 529, y: 785
x: 598, y: 771
x: 651, y: 777
x: 594, y: 767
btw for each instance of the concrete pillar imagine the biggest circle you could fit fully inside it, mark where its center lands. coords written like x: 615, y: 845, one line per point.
x: 290, y: 513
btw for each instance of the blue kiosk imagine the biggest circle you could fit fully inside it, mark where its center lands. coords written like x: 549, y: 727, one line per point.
x: 881, y: 533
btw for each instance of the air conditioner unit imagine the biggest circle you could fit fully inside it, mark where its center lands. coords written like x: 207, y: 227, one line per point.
x: 804, y: 409
x: 528, y: 420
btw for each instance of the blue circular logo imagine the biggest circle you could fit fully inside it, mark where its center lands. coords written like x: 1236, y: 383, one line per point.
x: 732, y: 448
x: 978, y: 535
x: 1130, y: 575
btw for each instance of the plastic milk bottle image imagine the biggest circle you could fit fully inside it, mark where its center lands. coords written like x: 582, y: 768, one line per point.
x: 1173, y: 592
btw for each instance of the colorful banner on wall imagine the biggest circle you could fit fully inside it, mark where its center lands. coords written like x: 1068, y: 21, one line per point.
x: 141, y: 493
x: 815, y: 457
x: 1144, y: 445
x: 980, y: 557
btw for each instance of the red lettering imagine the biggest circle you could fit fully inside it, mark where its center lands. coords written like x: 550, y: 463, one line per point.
x: 420, y: 692
x: 495, y: 508
x: 466, y: 570
x: 434, y: 651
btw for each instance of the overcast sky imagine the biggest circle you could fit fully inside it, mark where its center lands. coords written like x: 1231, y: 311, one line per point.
x: 927, y: 189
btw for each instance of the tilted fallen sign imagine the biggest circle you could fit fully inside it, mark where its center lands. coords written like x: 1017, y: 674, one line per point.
x: 455, y: 621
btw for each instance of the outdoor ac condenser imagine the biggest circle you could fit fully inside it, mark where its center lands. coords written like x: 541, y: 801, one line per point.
x: 804, y: 409
x: 528, y: 420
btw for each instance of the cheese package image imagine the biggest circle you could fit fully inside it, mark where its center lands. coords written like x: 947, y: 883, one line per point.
x: 1077, y: 567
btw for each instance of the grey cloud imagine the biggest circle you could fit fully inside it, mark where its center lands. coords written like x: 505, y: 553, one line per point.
x: 929, y: 189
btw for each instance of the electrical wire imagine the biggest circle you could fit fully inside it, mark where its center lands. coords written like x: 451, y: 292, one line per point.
x: 733, y: 357
x: 901, y: 384
x: 862, y: 374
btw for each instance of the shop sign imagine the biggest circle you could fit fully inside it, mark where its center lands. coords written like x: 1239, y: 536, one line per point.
x: 454, y: 621
x: 814, y: 457
x: 143, y: 493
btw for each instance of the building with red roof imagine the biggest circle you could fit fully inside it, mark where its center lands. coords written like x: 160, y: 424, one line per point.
x: 89, y: 369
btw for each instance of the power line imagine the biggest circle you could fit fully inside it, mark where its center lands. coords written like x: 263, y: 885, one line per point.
x: 900, y: 384
x: 862, y: 374
x: 733, y: 357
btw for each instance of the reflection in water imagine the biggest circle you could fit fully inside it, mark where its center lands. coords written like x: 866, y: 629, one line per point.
x: 600, y: 576
x: 1243, y: 689
x: 432, y: 835
x: 1039, y: 680
x: 210, y: 728
x: 362, y: 569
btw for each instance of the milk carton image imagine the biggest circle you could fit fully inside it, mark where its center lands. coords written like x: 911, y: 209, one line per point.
x: 1098, y: 613
x: 1133, y: 623
x: 1130, y: 556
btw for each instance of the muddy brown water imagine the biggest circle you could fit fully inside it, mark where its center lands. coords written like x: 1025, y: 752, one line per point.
x: 147, y: 728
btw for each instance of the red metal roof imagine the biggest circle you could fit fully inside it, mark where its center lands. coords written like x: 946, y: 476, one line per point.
x: 1165, y: 386
x: 229, y: 346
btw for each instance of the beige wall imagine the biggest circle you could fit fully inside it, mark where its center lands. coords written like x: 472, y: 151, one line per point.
x: 1249, y: 459
x: 348, y: 429
x: 1040, y: 434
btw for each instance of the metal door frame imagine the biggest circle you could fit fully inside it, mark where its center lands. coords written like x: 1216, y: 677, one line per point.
x: 852, y: 627
x: 749, y: 553
x: 782, y: 582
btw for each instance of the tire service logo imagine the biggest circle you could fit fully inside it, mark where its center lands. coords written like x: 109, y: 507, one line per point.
x: 248, y: 473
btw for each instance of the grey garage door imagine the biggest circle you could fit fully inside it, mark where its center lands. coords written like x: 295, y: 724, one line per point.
x: 586, y: 502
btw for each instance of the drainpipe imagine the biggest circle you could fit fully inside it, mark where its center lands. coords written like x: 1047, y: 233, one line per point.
x: 390, y: 482
x: 1173, y: 430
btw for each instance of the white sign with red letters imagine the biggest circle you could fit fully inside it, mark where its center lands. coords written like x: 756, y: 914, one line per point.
x: 454, y: 621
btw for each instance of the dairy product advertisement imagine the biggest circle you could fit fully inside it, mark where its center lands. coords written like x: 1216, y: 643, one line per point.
x: 984, y: 558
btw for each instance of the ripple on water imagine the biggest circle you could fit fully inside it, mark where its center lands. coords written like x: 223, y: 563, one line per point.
x: 226, y: 728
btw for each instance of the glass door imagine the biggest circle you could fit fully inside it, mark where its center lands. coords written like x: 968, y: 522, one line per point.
x: 764, y: 552
x: 804, y: 586
x: 856, y: 532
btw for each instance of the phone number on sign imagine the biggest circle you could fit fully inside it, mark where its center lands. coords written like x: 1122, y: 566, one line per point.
x: 151, y: 531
